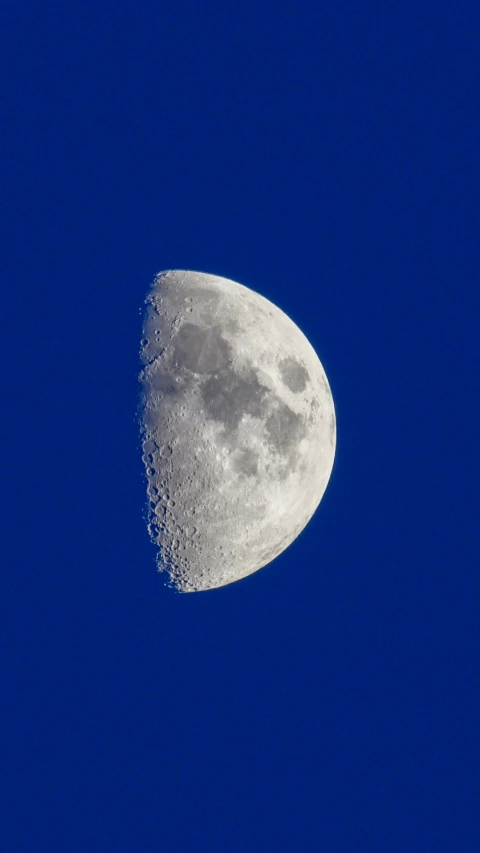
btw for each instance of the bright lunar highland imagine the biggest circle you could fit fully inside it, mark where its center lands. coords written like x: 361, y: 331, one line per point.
x: 238, y: 428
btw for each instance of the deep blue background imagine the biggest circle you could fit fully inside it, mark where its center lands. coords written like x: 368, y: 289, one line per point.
x: 326, y: 155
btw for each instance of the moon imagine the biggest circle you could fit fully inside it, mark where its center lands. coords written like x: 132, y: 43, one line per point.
x: 237, y: 424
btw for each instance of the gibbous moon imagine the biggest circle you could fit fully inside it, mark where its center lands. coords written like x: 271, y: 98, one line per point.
x: 238, y: 428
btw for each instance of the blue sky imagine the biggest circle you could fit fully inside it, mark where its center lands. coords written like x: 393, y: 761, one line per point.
x: 325, y: 155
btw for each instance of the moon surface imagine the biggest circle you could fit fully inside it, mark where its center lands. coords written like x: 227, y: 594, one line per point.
x: 238, y: 428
